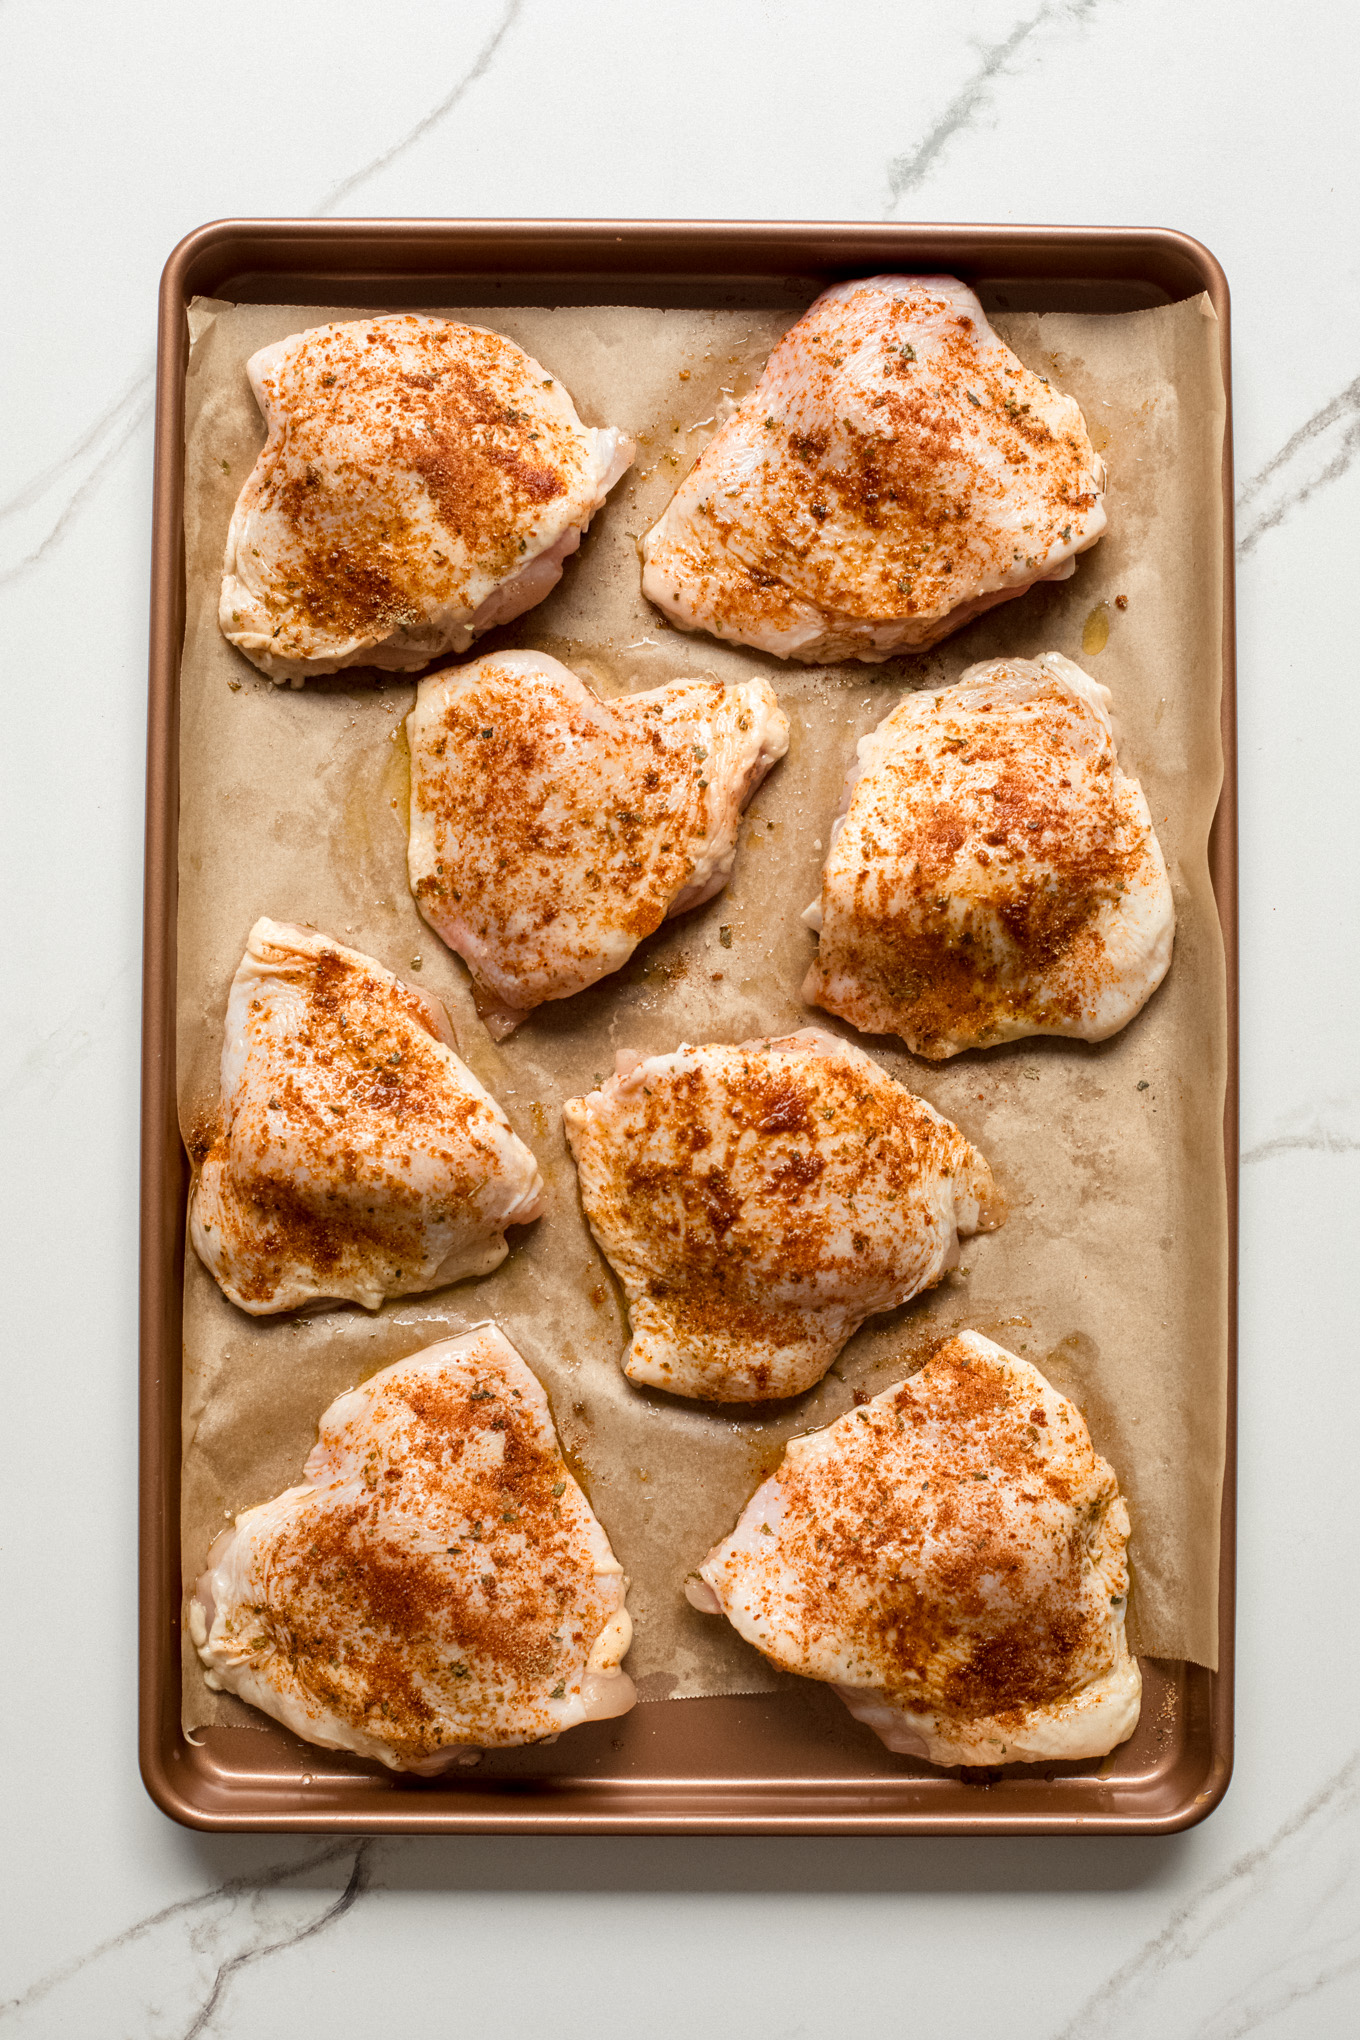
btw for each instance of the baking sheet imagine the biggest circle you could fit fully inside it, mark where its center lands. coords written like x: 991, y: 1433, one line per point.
x: 1111, y: 1271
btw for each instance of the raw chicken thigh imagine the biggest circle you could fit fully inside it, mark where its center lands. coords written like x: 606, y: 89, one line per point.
x: 551, y: 831
x: 895, y: 471
x: 995, y: 873
x: 422, y: 481
x: 438, y: 1580
x: 356, y: 1156
x: 950, y: 1558
x: 758, y: 1203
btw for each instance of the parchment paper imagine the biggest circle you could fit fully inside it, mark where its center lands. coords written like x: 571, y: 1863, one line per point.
x: 1110, y: 1273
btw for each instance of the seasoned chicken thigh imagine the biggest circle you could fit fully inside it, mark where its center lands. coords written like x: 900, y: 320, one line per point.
x: 356, y: 1156
x: 758, y: 1203
x: 438, y: 1581
x: 951, y: 1559
x: 422, y: 481
x: 994, y: 874
x: 895, y: 471
x: 551, y: 831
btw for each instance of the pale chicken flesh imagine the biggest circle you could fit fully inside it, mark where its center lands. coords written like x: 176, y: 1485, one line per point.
x: 436, y: 1583
x: 354, y: 1156
x: 422, y: 481
x: 552, y: 830
x: 895, y: 472
x: 994, y: 873
x: 759, y: 1202
x: 951, y: 1558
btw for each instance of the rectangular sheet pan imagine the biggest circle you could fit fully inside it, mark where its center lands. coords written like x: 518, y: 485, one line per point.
x: 785, y: 1762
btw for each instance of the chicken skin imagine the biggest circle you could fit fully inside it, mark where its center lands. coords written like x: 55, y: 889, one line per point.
x: 950, y: 1558
x: 758, y: 1203
x: 422, y: 482
x: 895, y: 472
x: 355, y: 1155
x: 994, y: 873
x: 551, y: 831
x: 437, y: 1582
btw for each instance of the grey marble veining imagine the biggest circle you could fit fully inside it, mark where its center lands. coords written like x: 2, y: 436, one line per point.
x: 179, y: 1963
x: 1278, y: 1929
x: 126, y: 130
x: 1318, y: 454
x: 996, y: 61
x: 345, y: 191
x: 35, y: 518
x: 1319, y: 1140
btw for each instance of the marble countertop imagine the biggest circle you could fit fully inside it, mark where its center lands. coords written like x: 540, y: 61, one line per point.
x: 128, y: 127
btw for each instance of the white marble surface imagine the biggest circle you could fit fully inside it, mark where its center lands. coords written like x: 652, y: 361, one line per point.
x: 125, y: 127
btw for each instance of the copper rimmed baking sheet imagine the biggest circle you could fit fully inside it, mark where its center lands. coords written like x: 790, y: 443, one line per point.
x: 788, y: 1761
